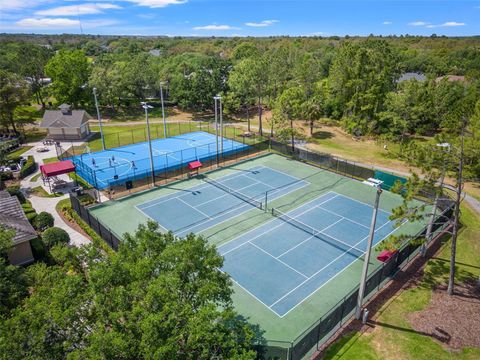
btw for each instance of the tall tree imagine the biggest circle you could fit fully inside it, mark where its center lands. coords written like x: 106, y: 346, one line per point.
x: 158, y: 297
x: 360, y: 78
x: 14, y: 91
x: 34, y: 59
x: 69, y: 71
x: 252, y: 72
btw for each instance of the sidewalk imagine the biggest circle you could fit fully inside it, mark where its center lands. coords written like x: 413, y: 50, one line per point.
x: 48, y: 204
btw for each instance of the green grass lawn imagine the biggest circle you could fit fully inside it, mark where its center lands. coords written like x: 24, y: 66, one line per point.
x: 19, y: 151
x: 36, y: 177
x: 41, y: 192
x: 395, y: 339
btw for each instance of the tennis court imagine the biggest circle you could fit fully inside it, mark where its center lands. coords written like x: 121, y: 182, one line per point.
x: 132, y: 162
x: 288, y: 268
x: 203, y: 206
x: 284, y: 261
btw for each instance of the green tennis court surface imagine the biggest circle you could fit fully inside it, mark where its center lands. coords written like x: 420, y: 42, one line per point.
x: 288, y: 268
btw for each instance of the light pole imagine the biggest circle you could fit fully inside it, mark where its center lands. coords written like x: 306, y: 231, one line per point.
x: 146, y: 107
x: 216, y: 98
x: 428, y: 235
x: 99, y: 117
x: 163, y: 111
x: 363, y: 278
x: 221, y: 124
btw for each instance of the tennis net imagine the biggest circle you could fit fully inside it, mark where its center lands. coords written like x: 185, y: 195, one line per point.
x: 235, y: 193
x: 317, y: 233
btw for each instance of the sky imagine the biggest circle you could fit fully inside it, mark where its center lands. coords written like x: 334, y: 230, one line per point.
x: 241, y: 18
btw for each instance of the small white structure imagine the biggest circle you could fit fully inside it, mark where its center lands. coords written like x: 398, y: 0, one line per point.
x: 66, y: 124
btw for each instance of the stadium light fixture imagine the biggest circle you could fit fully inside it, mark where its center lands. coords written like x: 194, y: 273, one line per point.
x: 99, y: 117
x: 216, y: 98
x: 163, y: 110
x: 363, y: 279
x: 146, y: 107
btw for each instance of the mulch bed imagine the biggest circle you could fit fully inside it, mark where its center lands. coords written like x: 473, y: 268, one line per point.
x: 452, y: 320
x: 74, y: 225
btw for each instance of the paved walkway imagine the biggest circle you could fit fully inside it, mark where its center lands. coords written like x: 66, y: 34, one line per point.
x: 48, y: 204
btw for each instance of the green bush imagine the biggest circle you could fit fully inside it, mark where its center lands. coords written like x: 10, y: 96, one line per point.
x: 29, y: 168
x: 54, y: 236
x: 38, y: 249
x: 6, y: 175
x: 86, y: 199
x: 44, y: 221
x: 15, y: 191
x: 31, y: 217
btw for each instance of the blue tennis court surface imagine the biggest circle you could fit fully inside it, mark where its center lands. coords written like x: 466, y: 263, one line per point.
x: 131, y: 162
x: 200, y: 207
x: 284, y: 261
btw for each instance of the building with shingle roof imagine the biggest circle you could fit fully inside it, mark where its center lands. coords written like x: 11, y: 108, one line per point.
x: 66, y: 124
x: 13, y: 218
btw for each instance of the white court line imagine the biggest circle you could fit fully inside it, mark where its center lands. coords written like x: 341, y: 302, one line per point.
x: 200, y: 211
x: 280, y: 261
x: 165, y: 230
x: 227, y: 193
x: 311, y: 237
x: 272, y: 228
x: 353, y: 221
x: 333, y: 277
x: 190, y: 190
x: 240, y: 213
x: 364, y: 203
x: 256, y: 298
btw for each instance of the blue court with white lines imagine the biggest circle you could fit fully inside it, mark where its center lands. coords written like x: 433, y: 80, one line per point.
x: 201, y: 207
x: 284, y: 261
x: 132, y: 162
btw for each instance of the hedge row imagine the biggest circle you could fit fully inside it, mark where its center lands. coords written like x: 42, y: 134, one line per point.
x: 29, y: 167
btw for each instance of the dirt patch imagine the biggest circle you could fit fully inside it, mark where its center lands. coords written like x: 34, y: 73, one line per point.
x: 451, y: 320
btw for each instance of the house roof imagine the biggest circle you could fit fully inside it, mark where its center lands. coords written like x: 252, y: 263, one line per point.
x: 12, y: 217
x: 450, y: 78
x: 57, y: 119
x: 412, y: 75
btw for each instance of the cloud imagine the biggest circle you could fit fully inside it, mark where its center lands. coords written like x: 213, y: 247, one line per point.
x: 13, y: 5
x: 75, y: 10
x: 263, y: 23
x: 452, y: 23
x: 216, y: 27
x: 47, y: 23
x: 418, y: 23
x: 387, y: 23
x: 157, y: 3
x: 447, y: 24
x: 59, y: 23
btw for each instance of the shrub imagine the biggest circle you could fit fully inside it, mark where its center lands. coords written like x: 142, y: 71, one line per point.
x: 29, y: 167
x: 44, y: 221
x: 86, y: 199
x: 15, y: 191
x: 55, y: 236
x: 38, y: 249
x: 31, y: 217
x: 6, y: 175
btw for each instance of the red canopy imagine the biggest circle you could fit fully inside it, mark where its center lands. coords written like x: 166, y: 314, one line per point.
x: 57, y: 168
x: 194, y: 165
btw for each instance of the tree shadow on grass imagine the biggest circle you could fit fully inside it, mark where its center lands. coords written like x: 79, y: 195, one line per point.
x: 322, y: 135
